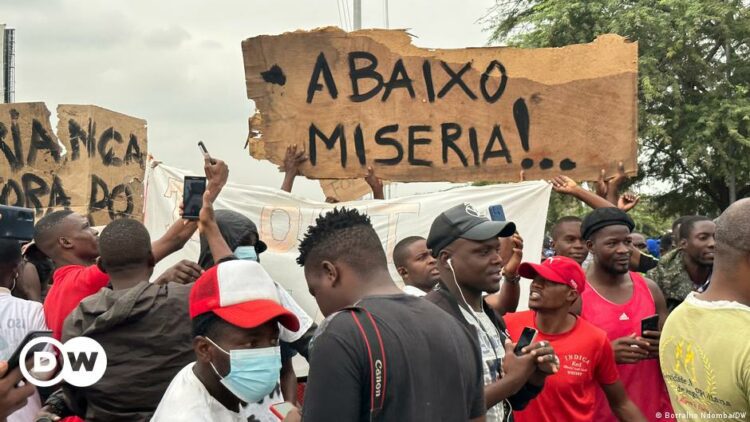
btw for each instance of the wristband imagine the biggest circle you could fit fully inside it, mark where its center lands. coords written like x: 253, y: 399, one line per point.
x: 512, y: 280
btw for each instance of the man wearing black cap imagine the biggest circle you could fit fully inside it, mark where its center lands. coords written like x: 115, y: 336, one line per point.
x: 467, y: 249
x: 617, y: 301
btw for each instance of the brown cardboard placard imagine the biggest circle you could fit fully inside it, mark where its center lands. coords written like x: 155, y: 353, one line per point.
x: 372, y: 98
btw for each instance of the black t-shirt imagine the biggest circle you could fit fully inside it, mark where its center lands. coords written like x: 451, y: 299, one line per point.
x: 434, y: 370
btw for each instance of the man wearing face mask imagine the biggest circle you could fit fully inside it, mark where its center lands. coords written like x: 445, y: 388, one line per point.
x: 467, y: 249
x: 236, y: 313
x: 241, y: 236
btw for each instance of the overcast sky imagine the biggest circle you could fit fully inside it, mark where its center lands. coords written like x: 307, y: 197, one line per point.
x: 178, y: 64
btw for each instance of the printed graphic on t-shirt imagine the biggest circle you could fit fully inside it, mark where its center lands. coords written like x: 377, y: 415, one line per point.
x: 692, y: 376
x: 576, y: 365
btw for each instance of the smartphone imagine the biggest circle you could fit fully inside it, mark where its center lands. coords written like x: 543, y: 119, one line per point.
x: 527, y: 336
x: 192, y: 196
x: 497, y: 213
x: 16, y: 223
x: 650, y: 323
x: 14, y: 358
x: 205, y: 153
x: 282, y: 409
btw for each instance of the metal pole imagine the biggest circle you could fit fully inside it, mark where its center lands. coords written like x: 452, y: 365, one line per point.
x: 732, y: 182
x: 357, y: 15
x: 387, y: 20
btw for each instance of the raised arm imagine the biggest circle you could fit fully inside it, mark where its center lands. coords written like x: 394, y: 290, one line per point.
x: 292, y: 160
x: 567, y: 186
x: 375, y: 184
x: 181, y: 231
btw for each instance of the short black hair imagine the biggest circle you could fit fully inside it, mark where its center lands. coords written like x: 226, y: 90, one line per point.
x: 689, y: 224
x: 676, y: 224
x: 208, y: 325
x: 666, y: 241
x: 567, y: 219
x: 46, y: 228
x: 733, y: 228
x: 399, y: 252
x: 10, y: 253
x: 343, y: 235
x: 124, y: 243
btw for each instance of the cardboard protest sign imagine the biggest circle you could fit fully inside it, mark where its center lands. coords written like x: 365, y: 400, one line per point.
x: 372, y: 98
x: 345, y: 190
x: 96, y: 167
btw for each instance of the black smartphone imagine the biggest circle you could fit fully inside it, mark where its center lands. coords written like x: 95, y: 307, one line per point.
x: 14, y: 358
x: 650, y: 323
x: 205, y: 153
x: 192, y: 196
x: 497, y: 213
x: 16, y: 223
x: 527, y: 336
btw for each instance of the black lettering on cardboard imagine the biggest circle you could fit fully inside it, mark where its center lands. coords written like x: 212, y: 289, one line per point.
x: 414, y: 141
x: 527, y: 163
x: 521, y: 116
x: 274, y: 75
x: 321, y: 66
x: 108, y: 155
x: 546, y: 164
x: 79, y: 136
x: 367, y: 72
x: 99, y: 195
x: 474, y: 145
x: 121, y: 189
x: 428, y: 84
x: 40, y: 139
x: 455, y: 79
x: 359, y: 145
x: 449, y: 134
x: 567, y: 164
x: 15, y: 155
x: 12, y: 186
x: 34, y: 187
x: 330, y: 142
x: 133, y: 152
x: 57, y: 195
x: 380, y: 139
x: 399, y: 79
x: 497, y: 135
x: 486, y: 77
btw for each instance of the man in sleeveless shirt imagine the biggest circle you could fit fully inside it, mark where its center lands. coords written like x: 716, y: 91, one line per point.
x: 616, y: 302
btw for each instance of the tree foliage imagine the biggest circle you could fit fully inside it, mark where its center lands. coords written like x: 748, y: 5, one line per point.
x: 694, y: 72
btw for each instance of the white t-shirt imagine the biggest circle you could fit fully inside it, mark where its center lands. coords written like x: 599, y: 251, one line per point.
x: 186, y: 399
x: 18, y: 317
x: 411, y: 290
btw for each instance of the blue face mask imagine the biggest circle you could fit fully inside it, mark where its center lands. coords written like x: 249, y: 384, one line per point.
x: 246, y: 252
x: 253, y: 373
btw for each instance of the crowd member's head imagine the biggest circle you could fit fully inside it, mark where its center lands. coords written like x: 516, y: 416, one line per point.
x: 467, y: 248
x: 67, y: 237
x: 733, y: 241
x: 567, y: 240
x: 556, y: 283
x: 653, y: 246
x: 415, y: 263
x: 10, y: 262
x: 241, y: 236
x: 639, y: 242
x: 666, y: 243
x: 607, y: 234
x: 341, y: 254
x: 676, y: 224
x: 697, y: 240
x: 125, y: 250
x: 235, y: 311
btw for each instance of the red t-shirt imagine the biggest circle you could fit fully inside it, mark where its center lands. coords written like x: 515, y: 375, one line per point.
x: 586, y: 361
x: 70, y: 285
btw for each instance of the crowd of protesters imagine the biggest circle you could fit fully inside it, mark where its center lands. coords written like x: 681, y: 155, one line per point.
x: 213, y: 340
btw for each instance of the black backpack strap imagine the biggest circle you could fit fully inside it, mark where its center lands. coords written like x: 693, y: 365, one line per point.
x: 376, y: 358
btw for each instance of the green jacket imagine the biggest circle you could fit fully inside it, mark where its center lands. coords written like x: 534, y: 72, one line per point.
x: 672, y: 278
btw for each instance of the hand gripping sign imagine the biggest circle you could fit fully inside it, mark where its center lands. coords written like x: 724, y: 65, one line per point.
x: 84, y: 362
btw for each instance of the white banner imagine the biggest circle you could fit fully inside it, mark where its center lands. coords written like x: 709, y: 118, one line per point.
x: 283, y: 218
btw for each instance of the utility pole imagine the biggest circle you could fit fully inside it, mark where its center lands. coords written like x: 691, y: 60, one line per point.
x: 732, y: 182
x: 357, y: 15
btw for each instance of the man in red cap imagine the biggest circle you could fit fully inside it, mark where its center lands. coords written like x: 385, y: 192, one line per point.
x: 235, y: 311
x: 586, y: 356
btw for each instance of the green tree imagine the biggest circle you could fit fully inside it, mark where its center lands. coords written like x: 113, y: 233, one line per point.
x: 694, y: 71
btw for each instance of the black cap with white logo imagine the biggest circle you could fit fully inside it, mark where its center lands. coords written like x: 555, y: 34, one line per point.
x: 465, y: 222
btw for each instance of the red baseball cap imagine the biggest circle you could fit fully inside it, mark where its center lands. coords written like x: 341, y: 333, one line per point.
x: 558, y: 269
x: 241, y: 293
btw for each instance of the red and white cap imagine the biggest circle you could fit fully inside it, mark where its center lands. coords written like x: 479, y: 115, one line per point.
x: 558, y: 269
x: 241, y: 293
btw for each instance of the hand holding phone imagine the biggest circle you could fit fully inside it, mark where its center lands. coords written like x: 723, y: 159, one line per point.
x: 192, y: 196
x: 527, y: 336
x: 205, y: 153
x: 281, y: 410
x: 650, y: 324
x: 16, y: 356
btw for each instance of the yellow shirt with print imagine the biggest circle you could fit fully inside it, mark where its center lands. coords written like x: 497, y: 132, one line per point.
x: 705, y: 359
